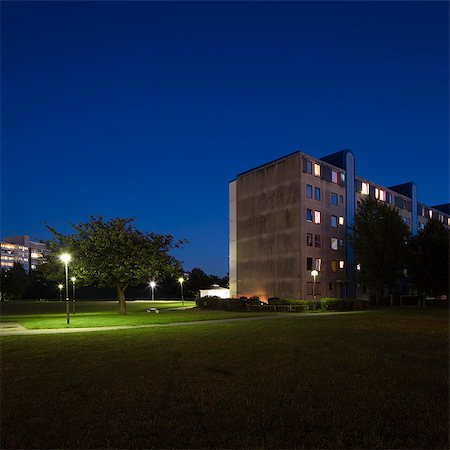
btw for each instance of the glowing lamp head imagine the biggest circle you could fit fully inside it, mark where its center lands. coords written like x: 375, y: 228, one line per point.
x: 152, y: 284
x: 314, y: 273
x: 60, y: 286
x: 65, y: 257
x: 73, y: 279
x: 180, y: 280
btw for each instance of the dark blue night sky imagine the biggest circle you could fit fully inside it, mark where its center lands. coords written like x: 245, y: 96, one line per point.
x: 148, y: 110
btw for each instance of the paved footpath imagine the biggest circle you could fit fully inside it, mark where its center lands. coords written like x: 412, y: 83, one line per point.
x: 15, y: 329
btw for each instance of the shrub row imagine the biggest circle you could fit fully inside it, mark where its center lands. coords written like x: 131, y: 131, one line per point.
x: 325, y: 304
x: 228, y: 304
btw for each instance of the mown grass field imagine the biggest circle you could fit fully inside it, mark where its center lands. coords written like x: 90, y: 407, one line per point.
x: 34, y: 315
x: 366, y: 380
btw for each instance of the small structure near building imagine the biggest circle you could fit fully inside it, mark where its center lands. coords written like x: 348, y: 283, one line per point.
x: 215, y: 291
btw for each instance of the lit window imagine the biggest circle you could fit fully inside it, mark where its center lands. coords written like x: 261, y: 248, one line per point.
x: 334, y: 266
x: 441, y: 218
x: 448, y: 221
x: 317, y: 170
x: 317, y: 264
x: 309, y: 191
x: 334, y: 199
x: 317, y: 241
x: 342, y: 177
x: 358, y: 266
x: 365, y: 188
x: 316, y: 216
x: 341, y: 264
x: 380, y: 194
x: 430, y: 213
x: 317, y: 193
x: 309, y: 215
x: 334, y: 221
x: 309, y: 239
x: 334, y: 176
x: 341, y: 220
x: 309, y: 263
x: 334, y: 243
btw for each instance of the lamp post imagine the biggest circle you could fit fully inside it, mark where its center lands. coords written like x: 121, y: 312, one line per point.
x: 314, y: 274
x: 60, y: 287
x: 181, y: 280
x: 65, y: 258
x: 73, y: 279
x: 152, y: 285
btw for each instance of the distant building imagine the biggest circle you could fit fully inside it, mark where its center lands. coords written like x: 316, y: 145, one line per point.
x: 295, y: 215
x: 215, y: 291
x: 22, y: 250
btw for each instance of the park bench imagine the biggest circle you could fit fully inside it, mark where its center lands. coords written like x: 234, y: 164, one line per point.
x: 153, y: 310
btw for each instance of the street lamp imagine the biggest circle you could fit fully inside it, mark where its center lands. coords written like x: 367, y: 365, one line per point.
x: 73, y: 279
x: 314, y: 274
x: 181, y: 280
x: 65, y: 258
x: 152, y: 285
x: 60, y: 287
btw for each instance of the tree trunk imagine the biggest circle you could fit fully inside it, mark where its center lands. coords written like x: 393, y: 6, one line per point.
x: 121, y: 299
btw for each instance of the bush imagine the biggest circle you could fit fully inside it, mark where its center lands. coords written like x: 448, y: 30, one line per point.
x: 227, y: 304
x: 341, y: 304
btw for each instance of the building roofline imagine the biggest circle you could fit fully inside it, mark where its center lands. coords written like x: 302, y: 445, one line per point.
x: 268, y: 163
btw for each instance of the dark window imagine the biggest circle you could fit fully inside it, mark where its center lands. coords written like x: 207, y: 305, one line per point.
x: 334, y: 266
x: 341, y: 199
x: 326, y: 173
x: 307, y: 165
x: 334, y: 221
x: 330, y: 286
x: 334, y: 199
x: 309, y: 191
x: 309, y: 215
x: 317, y: 193
x: 310, y: 288
x: 389, y: 198
x: 309, y: 263
x: 399, y: 202
x: 341, y: 242
x: 317, y: 240
x: 309, y: 239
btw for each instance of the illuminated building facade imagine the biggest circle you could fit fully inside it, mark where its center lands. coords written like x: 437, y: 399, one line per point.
x: 295, y: 214
x: 22, y: 250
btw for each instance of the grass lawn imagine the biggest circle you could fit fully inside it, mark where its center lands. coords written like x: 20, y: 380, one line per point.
x: 33, y: 315
x: 372, y: 380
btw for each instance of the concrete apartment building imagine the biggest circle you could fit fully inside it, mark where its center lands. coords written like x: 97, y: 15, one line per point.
x: 295, y: 214
x: 22, y: 250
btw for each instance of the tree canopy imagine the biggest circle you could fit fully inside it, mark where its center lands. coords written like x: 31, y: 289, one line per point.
x: 13, y: 282
x: 380, y: 243
x: 429, y: 263
x: 112, y: 253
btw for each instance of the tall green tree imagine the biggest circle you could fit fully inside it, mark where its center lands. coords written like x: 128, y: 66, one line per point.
x: 429, y: 262
x: 380, y: 243
x: 113, y: 253
x: 13, y: 282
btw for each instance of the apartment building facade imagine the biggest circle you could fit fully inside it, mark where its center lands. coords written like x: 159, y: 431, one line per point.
x: 295, y: 215
x: 22, y: 250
